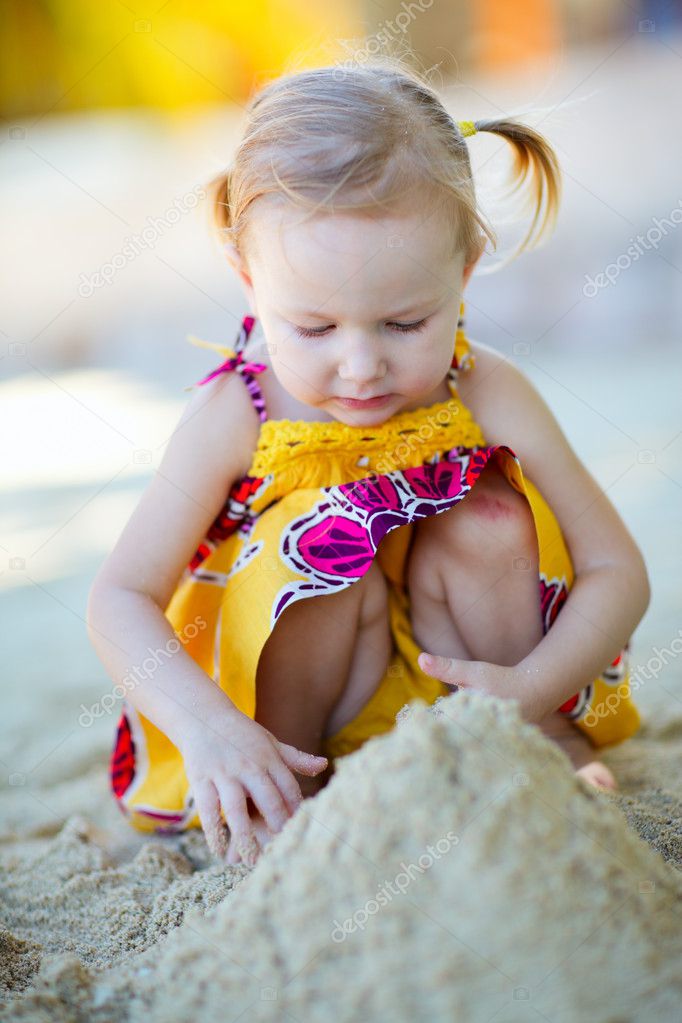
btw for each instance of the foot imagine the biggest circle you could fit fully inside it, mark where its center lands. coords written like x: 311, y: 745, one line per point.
x: 598, y: 774
x: 579, y: 750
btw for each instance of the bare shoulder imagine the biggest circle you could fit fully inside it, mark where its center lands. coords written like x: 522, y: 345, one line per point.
x: 506, y: 404
x: 220, y: 424
x: 210, y: 448
x: 487, y: 362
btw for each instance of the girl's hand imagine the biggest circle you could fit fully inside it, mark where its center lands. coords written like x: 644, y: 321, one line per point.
x: 235, y: 758
x: 261, y: 832
x: 493, y: 679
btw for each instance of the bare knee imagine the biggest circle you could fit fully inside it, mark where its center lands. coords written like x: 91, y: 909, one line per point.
x: 491, y: 519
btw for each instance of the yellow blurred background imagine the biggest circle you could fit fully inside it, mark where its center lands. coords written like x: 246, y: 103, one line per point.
x: 74, y: 55
x: 169, y: 55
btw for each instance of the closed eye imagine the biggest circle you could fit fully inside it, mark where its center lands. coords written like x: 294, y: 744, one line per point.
x: 403, y: 328
x: 308, y: 332
x: 418, y: 325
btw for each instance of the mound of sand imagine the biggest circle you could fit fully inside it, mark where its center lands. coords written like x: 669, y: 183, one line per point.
x: 112, y: 912
x: 453, y: 869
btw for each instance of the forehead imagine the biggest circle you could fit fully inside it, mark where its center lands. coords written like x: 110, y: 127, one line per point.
x: 353, y: 259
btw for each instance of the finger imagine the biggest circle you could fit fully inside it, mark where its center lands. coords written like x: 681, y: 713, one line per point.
x: 446, y: 669
x: 208, y: 808
x: 232, y: 857
x: 262, y: 831
x: 304, y: 763
x: 247, y: 854
x: 267, y: 798
x: 246, y: 850
x: 287, y: 785
x: 233, y: 801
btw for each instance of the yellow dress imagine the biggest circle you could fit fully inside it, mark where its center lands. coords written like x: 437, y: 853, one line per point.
x: 320, y: 501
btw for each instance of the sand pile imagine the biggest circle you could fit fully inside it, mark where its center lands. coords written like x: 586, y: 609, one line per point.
x: 68, y: 895
x: 455, y: 868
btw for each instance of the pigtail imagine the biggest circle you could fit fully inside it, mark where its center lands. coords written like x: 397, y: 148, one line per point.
x: 536, y: 163
x: 366, y: 136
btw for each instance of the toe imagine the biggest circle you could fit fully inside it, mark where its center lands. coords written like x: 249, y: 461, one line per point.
x: 598, y: 774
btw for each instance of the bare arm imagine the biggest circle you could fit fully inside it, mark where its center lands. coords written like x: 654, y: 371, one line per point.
x: 611, y: 590
x: 135, y: 583
x: 226, y: 754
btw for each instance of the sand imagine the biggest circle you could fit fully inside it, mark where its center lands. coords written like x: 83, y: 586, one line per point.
x: 453, y: 869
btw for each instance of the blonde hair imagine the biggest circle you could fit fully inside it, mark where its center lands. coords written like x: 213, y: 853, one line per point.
x: 362, y: 137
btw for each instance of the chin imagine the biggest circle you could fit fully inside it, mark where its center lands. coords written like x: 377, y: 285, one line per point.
x: 364, y: 417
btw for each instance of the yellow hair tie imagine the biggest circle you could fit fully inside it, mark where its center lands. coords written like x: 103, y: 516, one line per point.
x: 466, y: 128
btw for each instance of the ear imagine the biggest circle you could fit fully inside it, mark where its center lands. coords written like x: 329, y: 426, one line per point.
x: 239, y: 266
x: 469, y: 267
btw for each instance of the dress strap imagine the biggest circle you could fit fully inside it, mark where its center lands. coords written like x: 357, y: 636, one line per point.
x: 236, y: 361
x: 463, y: 359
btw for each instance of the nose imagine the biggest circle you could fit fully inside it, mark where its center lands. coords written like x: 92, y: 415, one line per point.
x: 361, y: 362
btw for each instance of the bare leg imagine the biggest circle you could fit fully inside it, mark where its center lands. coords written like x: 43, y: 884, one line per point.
x: 482, y: 562
x: 579, y: 750
x: 322, y: 663
x: 473, y: 582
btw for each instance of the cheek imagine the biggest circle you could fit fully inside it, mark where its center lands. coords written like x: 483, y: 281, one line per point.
x: 426, y: 368
x: 297, y: 371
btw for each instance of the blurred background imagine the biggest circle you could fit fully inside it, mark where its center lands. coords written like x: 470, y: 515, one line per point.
x: 114, y: 115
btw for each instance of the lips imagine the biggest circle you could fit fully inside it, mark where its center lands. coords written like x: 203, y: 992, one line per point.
x: 375, y: 402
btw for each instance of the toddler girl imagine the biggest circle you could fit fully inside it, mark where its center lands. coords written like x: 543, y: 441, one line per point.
x: 359, y: 506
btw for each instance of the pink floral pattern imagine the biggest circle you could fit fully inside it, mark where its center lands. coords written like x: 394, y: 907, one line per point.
x: 334, y: 544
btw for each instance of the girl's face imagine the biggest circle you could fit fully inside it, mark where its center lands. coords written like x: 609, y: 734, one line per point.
x: 355, y: 307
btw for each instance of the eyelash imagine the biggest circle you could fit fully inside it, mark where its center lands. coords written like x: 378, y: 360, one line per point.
x: 401, y: 328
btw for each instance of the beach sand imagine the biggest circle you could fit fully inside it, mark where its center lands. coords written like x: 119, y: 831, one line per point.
x: 455, y: 868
